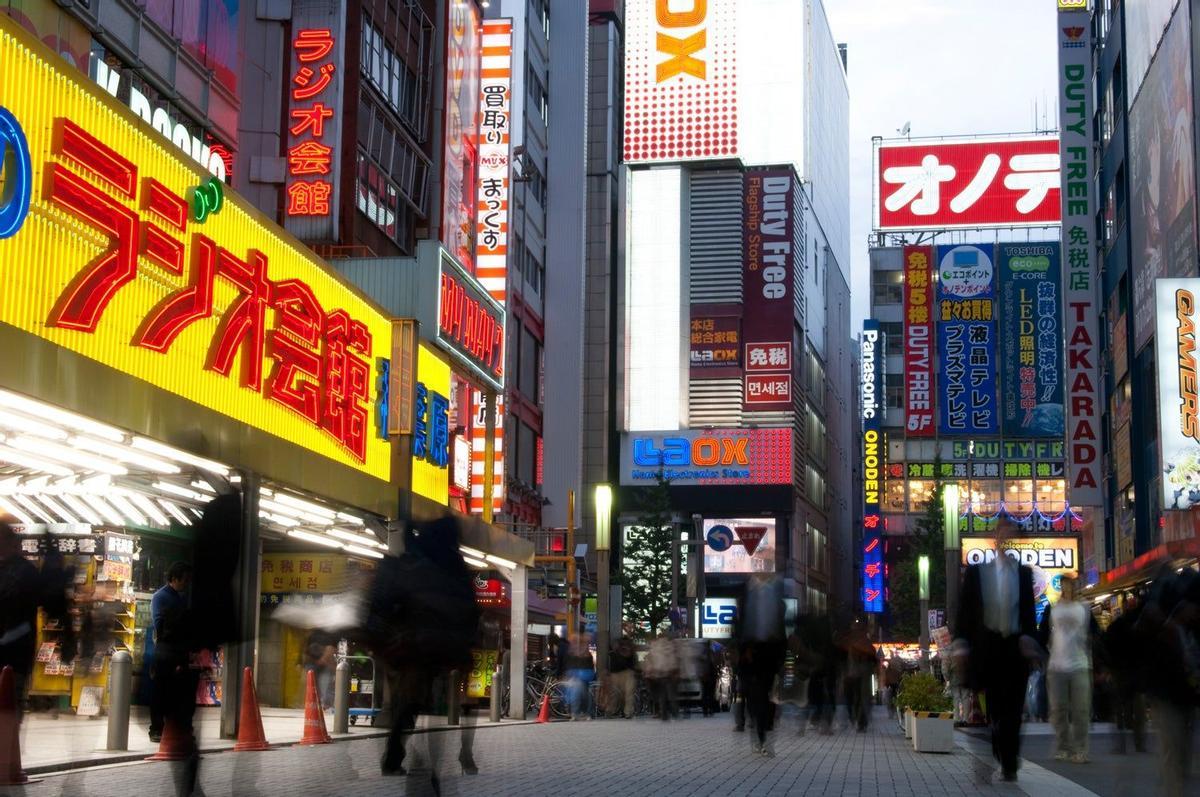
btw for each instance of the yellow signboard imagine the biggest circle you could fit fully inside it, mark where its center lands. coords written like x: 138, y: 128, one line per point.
x: 303, y: 572
x: 114, y: 246
x: 431, y: 434
x: 483, y: 667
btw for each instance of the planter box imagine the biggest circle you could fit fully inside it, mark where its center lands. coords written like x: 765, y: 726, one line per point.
x: 933, y: 731
x: 908, y: 724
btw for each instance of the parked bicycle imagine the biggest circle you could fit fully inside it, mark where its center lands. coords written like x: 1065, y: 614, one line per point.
x: 539, y: 682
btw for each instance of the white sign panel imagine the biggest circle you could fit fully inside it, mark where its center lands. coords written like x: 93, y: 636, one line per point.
x: 1079, y: 257
x: 717, y: 618
x: 1178, y: 403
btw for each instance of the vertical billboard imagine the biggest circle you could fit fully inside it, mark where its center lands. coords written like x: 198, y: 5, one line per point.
x: 1031, y: 398
x: 314, y: 124
x: 966, y: 331
x: 1161, y: 168
x: 768, y: 288
x: 872, y: 408
x: 1145, y: 23
x: 1079, y: 256
x: 918, y: 341
x: 1178, y: 392
x: 715, y: 341
x: 460, y: 126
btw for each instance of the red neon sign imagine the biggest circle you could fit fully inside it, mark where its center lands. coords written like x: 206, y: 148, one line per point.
x: 471, y: 326
x: 307, y: 156
x: 322, y: 359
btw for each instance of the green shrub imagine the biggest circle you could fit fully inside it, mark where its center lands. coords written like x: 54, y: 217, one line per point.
x: 922, y: 692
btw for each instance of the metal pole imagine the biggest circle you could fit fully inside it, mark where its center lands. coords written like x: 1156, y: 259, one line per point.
x: 120, y: 690
x: 516, y: 650
x: 572, y: 587
x: 240, y: 654
x: 925, y: 634
x: 497, y: 687
x: 453, y: 700
x: 674, y: 567
x: 341, y: 698
x: 602, y: 612
x: 952, y: 579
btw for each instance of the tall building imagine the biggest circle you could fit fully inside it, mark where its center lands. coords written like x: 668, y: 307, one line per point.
x: 729, y: 284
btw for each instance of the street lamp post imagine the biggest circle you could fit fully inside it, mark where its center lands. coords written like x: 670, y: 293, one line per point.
x: 950, y: 520
x: 603, y: 546
x: 923, y: 595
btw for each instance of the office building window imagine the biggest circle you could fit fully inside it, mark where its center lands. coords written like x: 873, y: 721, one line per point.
x: 887, y: 287
x: 894, y: 332
x: 539, y: 97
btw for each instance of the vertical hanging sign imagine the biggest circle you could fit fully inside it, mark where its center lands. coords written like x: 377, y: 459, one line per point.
x: 872, y: 407
x: 1079, y: 255
x: 314, y: 123
x: 1031, y: 398
x: 769, y: 313
x: 966, y: 314
x: 460, y: 132
x: 918, y: 341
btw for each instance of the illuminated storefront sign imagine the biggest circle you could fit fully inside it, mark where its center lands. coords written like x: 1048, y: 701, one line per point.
x: 718, y: 617
x: 460, y: 131
x: 966, y: 332
x: 918, y: 340
x: 1178, y: 391
x: 431, y: 426
x: 769, y: 315
x: 314, y: 122
x: 471, y: 324
x: 873, y: 448
x: 752, y: 549
x: 1079, y: 257
x: 229, y: 315
x: 711, y: 456
x: 1050, y: 559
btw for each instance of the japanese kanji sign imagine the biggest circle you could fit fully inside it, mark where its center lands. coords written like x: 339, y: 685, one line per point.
x: 431, y: 426
x: 314, y: 120
x: 966, y: 331
x: 302, y: 572
x: 874, y: 455
x: 937, y: 185
x: 1080, y: 289
x: 1031, y: 399
x: 918, y: 341
x: 229, y: 314
x: 767, y: 325
x: 715, y: 345
x: 460, y: 133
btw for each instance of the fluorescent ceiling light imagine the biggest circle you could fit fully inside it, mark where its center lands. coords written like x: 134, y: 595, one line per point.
x: 110, y: 515
x: 305, y: 506
x: 471, y: 552
x: 200, y: 484
x: 58, y: 509
x: 355, y: 538
x: 363, y: 551
x: 11, y: 508
x: 32, y: 506
x: 124, y: 454
x: 182, y: 492
x: 20, y: 423
x: 319, y: 539
x: 350, y: 519
x: 174, y: 511
x: 10, y: 485
x: 27, y: 460
x: 172, y: 453
x: 279, y: 520
x: 146, y: 505
x: 69, y: 419
x: 291, y: 511
x: 501, y: 561
x: 66, y: 454
x: 126, y: 508
x: 85, y: 511
x: 475, y: 562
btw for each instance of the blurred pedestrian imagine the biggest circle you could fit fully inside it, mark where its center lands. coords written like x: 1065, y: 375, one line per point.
x: 622, y: 678
x: 1121, y: 646
x: 891, y: 682
x: 422, y: 620
x: 167, y: 603
x: 580, y: 672
x: 763, y: 647
x: 1069, y: 632
x: 320, y: 658
x: 860, y: 664
x: 709, y: 669
x: 661, y: 669
x: 996, y: 643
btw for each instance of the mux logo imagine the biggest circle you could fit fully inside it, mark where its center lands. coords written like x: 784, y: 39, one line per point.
x: 16, y: 175
x: 681, y: 452
x: 680, y: 49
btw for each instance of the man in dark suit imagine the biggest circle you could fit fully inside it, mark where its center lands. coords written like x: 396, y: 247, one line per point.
x: 995, y: 640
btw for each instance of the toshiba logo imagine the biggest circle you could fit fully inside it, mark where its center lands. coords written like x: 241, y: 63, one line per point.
x: 680, y: 42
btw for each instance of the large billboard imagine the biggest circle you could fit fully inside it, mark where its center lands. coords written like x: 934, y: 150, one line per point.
x: 1050, y: 558
x: 1161, y: 175
x: 715, y: 341
x: 971, y: 183
x: 145, y: 265
x: 708, y: 457
x: 918, y: 341
x: 1178, y: 392
x: 768, y: 288
x: 966, y: 331
x: 871, y: 405
x: 1145, y: 23
x: 1079, y: 256
x: 1031, y: 399
x: 460, y: 132
x: 748, y: 545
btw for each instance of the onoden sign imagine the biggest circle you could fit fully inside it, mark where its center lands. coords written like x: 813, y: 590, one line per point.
x: 1050, y: 558
x: 113, y: 246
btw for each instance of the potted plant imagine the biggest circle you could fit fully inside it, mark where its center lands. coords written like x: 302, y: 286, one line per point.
x: 930, y: 712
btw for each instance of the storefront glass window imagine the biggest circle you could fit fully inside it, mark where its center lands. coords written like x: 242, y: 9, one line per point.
x: 1052, y: 496
x: 1018, y: 496
x: 985, y: 496
x: 894, y: 495
x: 919, y: 493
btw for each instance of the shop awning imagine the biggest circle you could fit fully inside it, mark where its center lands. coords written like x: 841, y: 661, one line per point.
x: 1147, y: 566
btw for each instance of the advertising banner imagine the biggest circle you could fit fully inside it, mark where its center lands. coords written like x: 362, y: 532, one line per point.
x: 975, y: 183
x: 768, y: 280
x: 1031, y: 402
x: 918, y: 341
x: 966, y: 331
x: 716, y: 340
x: 872, y: 404
x: 1082, y: 329
x: 718, y: 617
x: 495, y: 167
x: 431, y: 427
x: 460, y: 133
x: 1178, y: 392
x: 1162, y: 229
x: 708, y: 457
x: 753, y: 548
x: 147, y: 266
x: 1050, y: 558
x: 1145, y: 23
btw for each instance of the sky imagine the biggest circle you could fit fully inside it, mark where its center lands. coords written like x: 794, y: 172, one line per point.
x: 949, y: 67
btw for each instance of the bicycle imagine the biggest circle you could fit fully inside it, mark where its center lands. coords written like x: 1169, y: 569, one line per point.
x: 539, y: 682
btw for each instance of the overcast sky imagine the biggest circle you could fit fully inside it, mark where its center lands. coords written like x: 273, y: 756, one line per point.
x: 949, y: 67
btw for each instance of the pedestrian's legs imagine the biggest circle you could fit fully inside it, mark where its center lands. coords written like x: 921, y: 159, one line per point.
x: 466, y: 753
x: 1081, y: 710
x: 1058, y: 689
x: 1005, y: 698
x: 628, y: 690
x: 404, y: 720
x: 1171, y: 722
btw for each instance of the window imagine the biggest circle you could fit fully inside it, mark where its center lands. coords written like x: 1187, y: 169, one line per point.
x: 392, y: 175
x: 535, y: 182
x: 887, y: 287
x: 396, y: 61
x: 894, y: 332
x: 540, y: 13
x: 530, y: 365
x: 818, y: 601
x: 816, y: 488
x: 539, y: 97
x: 817, y: 444
x: 818, y: 550
x: 1051, y: 496
x: 893, y: 497
x: 816, y: 380
x: 895, y: 397
x: 919, y: 493
x: 526, y: 454
x: 1018, y: 496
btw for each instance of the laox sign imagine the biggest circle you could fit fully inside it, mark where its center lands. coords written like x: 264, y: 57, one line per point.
x: 681, y: 50
x: 680, y: 451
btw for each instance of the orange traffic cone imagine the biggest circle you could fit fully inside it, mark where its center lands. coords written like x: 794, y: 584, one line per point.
x: 544, y: 711
x: 250, y: 727
x: 175, y: 745
x: 314, y: 716
x: 11, y: 773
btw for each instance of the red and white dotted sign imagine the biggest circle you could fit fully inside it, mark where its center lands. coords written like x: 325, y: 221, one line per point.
x: 681, y: 80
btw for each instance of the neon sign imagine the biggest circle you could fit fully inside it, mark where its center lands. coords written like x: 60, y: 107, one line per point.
x: 471, y: 324
x: 18, y: 175
x: 873, y: 568
x: 711, y: 456
x: 309, y: 159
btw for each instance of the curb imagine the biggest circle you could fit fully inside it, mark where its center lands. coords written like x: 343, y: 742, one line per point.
x: 134, y: 758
